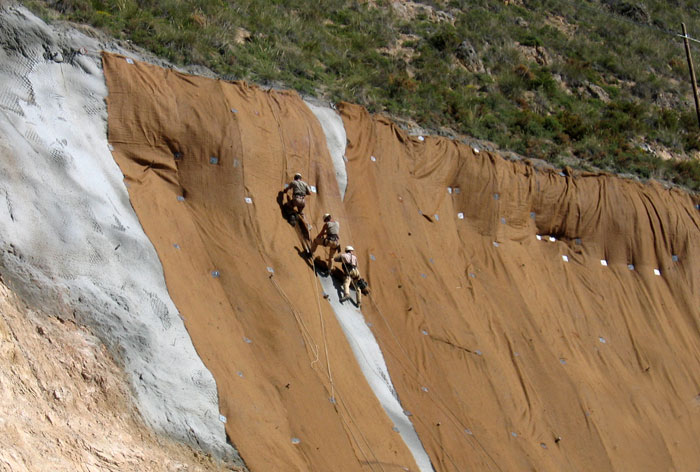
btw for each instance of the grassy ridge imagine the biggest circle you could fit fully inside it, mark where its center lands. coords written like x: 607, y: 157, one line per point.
x: 588, y: 83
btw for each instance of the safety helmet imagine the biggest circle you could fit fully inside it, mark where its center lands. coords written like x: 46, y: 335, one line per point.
x: 326, y: 217
x: 349, y: 248
x: 297, y: 176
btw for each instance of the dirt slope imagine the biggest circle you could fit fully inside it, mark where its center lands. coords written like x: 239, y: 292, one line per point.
x: 64, y: 405
x: 505, y: 354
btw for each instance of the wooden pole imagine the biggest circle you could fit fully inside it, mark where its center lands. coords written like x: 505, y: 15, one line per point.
x: 692, y: 72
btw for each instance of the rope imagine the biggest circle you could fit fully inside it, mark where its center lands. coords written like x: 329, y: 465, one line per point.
x: 256, y: 230
x: 454, y: 463
x: 358, y: 442
x: 323, y: 333
x: 449, y: 457
x: 334, y: 393
x: 304, y: 329
x: 309, y: 339
x: 306, y: 334
x: 332, y: 383
x: 439, y: 402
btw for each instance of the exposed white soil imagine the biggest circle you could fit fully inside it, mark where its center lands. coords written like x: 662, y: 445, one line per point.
x: 336, y: 139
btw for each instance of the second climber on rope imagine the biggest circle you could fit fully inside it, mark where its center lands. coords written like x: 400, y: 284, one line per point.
x: 351, y: 273
x: 300, y: 190
x: 329, y: 237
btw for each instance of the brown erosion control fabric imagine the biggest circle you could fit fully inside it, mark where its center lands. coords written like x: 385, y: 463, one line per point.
x: 264, y: 339
x: 495, y: 344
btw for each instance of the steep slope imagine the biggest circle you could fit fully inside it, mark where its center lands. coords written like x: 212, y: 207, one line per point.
x: 65, y: 405
x: 528, y: 319
x: 516, y: 342
x: 250, y: 303
x: 70, y: 242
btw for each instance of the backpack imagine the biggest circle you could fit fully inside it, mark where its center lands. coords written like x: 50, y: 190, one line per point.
x: 363, y: 286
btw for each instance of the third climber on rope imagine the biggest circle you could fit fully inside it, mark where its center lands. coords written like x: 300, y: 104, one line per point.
x: 329, y: 236
x: 300, y: 190
x: 352, y: 274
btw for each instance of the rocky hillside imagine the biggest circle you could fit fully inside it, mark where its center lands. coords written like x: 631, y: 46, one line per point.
x: 595, y: 84
x: 519, y: 317
x: 65, y: 404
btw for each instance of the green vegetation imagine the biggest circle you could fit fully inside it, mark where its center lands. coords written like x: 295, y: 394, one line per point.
x: 589, y: 82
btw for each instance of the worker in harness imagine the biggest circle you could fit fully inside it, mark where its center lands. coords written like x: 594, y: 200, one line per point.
x: 329, y: 237
x: 352, y: 274
x: 300, y: 190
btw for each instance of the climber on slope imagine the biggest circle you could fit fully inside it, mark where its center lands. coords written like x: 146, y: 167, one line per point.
x: 329, y: 237
x: 300, y: 190
x: 352, y: 274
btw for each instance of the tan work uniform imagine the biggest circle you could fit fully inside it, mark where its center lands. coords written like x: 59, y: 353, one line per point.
x: 349, y: 262
x: 300, y: 190
x: 329, y: 236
